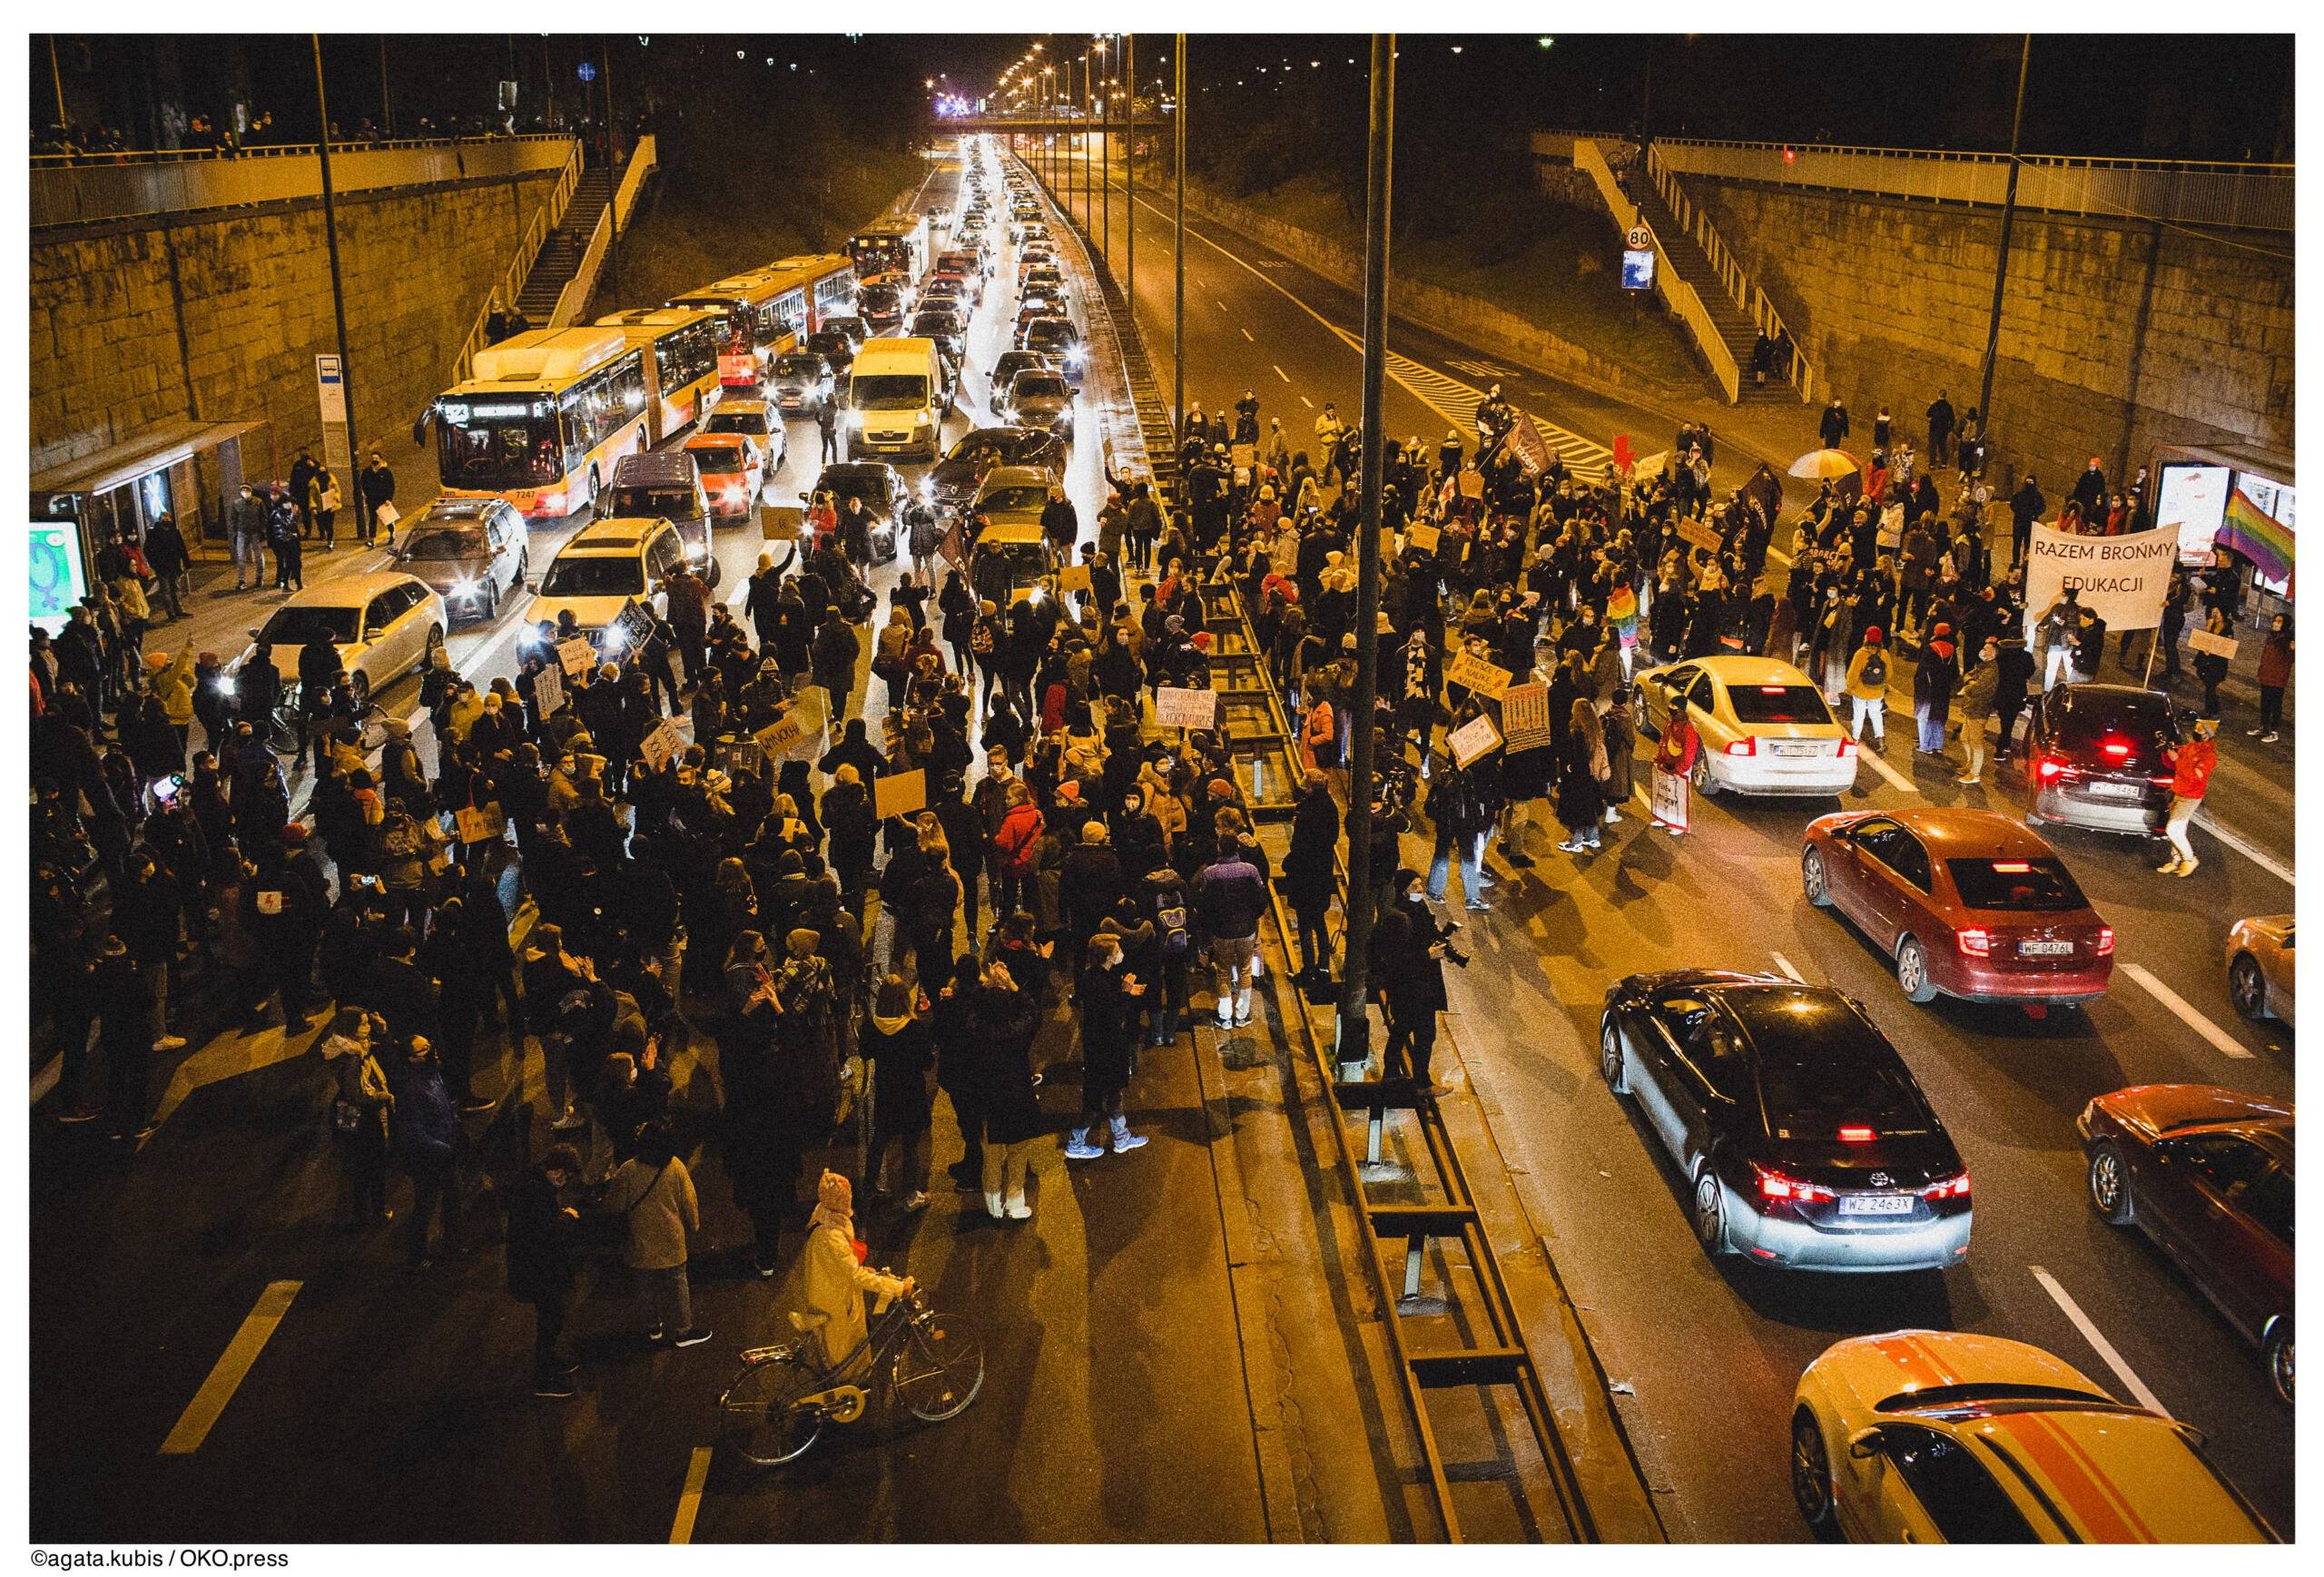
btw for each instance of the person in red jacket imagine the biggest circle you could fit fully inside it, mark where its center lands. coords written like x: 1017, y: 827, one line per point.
x: 2190, y: 776
x: 1676, y: 759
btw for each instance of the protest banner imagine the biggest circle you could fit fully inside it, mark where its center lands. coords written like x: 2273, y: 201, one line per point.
x: 1525, y: 717
x: 800, y: 727
x: 2122, y: 580
x: 661, y: 743
x: 953, y: 548
x: 575, y: 656
x: 1185, y: 708
x: 1476, y: 738
x: 1487, y: 679
x: 901, y: 793
x: 1532, y: 449
x: 1671, y: 799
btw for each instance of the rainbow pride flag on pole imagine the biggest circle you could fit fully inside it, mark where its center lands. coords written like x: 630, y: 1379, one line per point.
x: 2259, y: 536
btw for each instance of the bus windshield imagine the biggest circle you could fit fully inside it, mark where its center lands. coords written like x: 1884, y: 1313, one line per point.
x: 496, y: 444
x: 891, y: 392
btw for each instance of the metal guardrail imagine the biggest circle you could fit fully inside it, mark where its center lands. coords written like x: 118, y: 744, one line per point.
x: 1499, y: 1357
x: 85, y: 189
x: 1676, y: 291
x: 575, y: 297
x: 546, y: 218
x: 2235, y: 196
x: 1747, y: 296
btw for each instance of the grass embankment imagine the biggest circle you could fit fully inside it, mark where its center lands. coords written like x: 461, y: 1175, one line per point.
x: 724, y: 208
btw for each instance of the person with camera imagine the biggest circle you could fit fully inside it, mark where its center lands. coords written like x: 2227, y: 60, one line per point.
x: 1409, y: 949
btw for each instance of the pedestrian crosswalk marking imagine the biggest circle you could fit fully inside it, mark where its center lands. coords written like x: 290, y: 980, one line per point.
x: 1457, y: 402
x: 1481, y: 369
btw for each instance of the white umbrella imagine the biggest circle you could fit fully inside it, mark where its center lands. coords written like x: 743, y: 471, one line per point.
x: 1826, y: 463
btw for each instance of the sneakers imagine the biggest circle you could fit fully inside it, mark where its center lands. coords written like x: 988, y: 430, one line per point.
x: 2269, y: 738
x: 1964, y: 779
x: 78, y: 1114
x: 1223, y: 1022
x: 1017, y: 1209
x: 992, y: 1204
x: 1242, y: 1018
x: 1079, y: 1149
x: 1613, y: 815
x: 2169, y: 867
x: 693, y: 1339
x: 916, y: 1200
x: 1123, y: 1138
x: 1572, y: 846
x: 656, y: 1336
x: 556, y: 1390
x: 2188, y: 868
x: 170, y: 1043
x: 1479, y: 906
x: 2251, y: 734
x: 568, y: 1118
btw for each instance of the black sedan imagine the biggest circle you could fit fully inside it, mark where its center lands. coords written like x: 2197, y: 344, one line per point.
x: 836, y: 347
x: 2094, y: 758
x: 1803, y: 1138
x: 882, y: 489
x: 952, y: 480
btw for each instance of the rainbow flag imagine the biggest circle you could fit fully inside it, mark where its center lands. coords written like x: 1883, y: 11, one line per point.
x: 2257, y: 535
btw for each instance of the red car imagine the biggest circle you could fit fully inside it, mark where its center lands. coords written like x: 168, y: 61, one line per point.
x: 2207, y: 1173
x: 1969, y: 904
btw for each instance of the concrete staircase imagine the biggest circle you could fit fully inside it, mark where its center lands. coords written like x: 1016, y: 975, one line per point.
x: 1685, y: 255
x: 559, y: 258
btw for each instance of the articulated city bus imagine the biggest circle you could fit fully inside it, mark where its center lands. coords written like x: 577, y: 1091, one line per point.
x: 682, y: 373
x: 543, y: 418
x: 827, y: 282
x: 760, y: 309
x: 897, y: 242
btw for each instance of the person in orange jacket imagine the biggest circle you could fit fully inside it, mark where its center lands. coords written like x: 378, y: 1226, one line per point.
x: 2190, y: 776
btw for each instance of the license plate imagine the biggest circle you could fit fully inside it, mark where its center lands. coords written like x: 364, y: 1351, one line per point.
x: 2115, y: 791
x: 2045, y: 949
x: 1799, y: 748
x: 1875, y: 1203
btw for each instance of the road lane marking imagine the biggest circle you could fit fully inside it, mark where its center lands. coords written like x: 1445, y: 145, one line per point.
x: 2249, y: 851
x: 1307, y: 402
x: 1247, y: 334
x: 1783, y: 964
x: 1219, y: 304
x: 2097, y: 1339
x: 690, y: 1498
x: 1279, y: 372
x: 194, y: 1424
x: 1897, y: 780
x: 2186, y: 1012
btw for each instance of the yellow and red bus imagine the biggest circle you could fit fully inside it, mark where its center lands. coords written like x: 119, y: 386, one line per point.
x: 770, y: 309
x: 542, y: 419
x: 682, y: 370
x: 828, y: 281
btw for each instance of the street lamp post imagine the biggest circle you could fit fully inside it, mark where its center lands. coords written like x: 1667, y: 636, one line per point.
x: 1355, y: 1048
x: 2001, y: 259
x: 1179, y: 255
x: 330, y: 243
x: 1106, y: 171
x: 1129, y: 172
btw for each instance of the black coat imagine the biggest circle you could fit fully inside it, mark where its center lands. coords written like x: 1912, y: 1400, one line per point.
x: 1003, y: 1023
x: 541, y: 1242
x: 1308, y: 879
x: 1105, y: 1032
x: 1402, y: 970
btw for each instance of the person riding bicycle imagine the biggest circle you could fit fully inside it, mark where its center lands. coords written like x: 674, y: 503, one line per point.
x: 836, y: 1276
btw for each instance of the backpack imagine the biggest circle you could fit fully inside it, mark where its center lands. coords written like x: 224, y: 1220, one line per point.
x: 1170, y: 925
x: 1876, y: 669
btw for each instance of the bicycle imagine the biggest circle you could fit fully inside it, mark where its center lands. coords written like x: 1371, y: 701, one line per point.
x: 776, y: 1406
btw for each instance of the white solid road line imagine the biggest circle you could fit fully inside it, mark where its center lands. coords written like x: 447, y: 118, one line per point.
x: 2226, y: 1043
x: 2097, y: 1339
x: 1897, y: 780
x: 690, y: 1498
x: 1279, y: 372
x: 2249, y: 851
x: 194, y: 1424
x: 1783, y: 964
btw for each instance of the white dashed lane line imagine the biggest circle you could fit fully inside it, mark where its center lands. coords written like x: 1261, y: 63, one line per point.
x: 2186, y: 1012
x: 1247, y: 335
x: 2097, y: 1339
x: 1279, y: 372
x: 1785, y: 964
x: 1304, y: 400
x: 1897, y: 780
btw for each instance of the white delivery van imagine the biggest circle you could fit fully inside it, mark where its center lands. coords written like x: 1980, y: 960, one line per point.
x: 896, y: 397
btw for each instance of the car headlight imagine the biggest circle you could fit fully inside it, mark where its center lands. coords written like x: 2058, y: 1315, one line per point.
x: 466, y: 589
x: 612, y: 639
x: 223, y: 684
x: 1073, y: 358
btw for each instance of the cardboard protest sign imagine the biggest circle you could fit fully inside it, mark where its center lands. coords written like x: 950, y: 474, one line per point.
x: 1472, y: 484
x: 1697, y: 532
x: 1475, y: 738
x: 2122, y: 580
x: 2215, y: 645
x: 1073, y: 577
x: 1487, y: 679
x: 1423, y: 536
x: 801, y: 727
x: 780, y: 522
x: 548, y: 691
x: 1243, y: 456
x: 1525, y: 717
x: 1185, y: 708
x: 575, y: 656
x: 900, y: 794
x: 661, y: 743
x: 1671, y: 799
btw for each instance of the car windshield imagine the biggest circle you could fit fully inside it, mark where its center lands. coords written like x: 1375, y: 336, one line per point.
x: 717, y: 458
x: 1048, y: 332
x: 594, y: 575
x: 838, y: 345
x: 889, y: 391
x: 445, y: 542
x: 935, y: 325
x: 1033, y: 385
x: 750, y: 421
x: 807, y: 366
x: 1014, y: 500
x: 497, y: 443
x: 2015, y: 884
x: 295, y: 627
x: 873, y: 490
x: 976, y: 445
x: 1777, y: 703
x: 883, y: 299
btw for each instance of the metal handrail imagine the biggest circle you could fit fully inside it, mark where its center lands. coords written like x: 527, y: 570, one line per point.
x: 1969, y: 155
x: 1676, y: 292
x: 574, y: 296
x: 1749, y: 298
x: 270, y: 150
x: 536, y: 230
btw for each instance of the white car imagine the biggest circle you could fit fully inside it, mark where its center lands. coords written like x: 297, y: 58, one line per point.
x: 382, y: 625
x: 607, y: 565
x: 1764, y: 727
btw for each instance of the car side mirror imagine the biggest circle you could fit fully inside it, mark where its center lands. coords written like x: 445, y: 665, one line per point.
x: 373, y: 632
x: 1864, y: 1443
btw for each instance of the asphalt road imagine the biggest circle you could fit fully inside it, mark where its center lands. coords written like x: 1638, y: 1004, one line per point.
x: 393, y: 1404
x: 1713, y: 1351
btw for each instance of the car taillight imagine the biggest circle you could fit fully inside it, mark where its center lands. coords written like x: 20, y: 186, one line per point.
x: 2050, y: 768
x: 1974, y: 941
x: 1856, y: 1133
x: 1774, y: 1185
x: 1847, y: 748
x: 1956, y: 1187
x: 2115, y: 749
x: 1743, y: 747
x: 2105, y: 941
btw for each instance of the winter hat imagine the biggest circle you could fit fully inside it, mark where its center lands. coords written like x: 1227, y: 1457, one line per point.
x: 894, y: 1000
x: 157, y: 661
x: 1872, y: 637
x: 294, y: 836
x: 1175, y: 624
x: 834, y: 1194
x: 803, y: 940
x: 1093, y: 831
